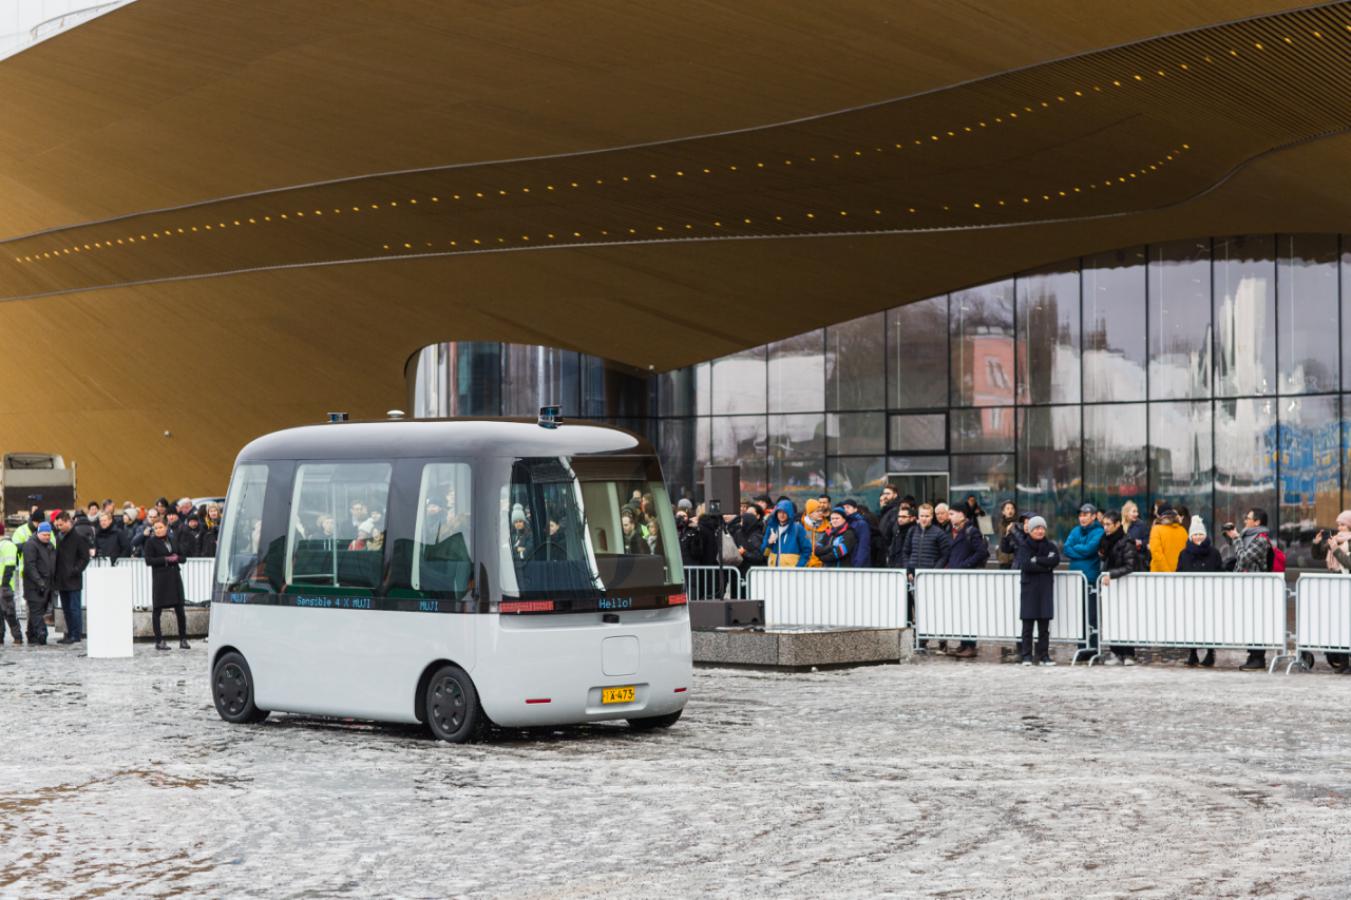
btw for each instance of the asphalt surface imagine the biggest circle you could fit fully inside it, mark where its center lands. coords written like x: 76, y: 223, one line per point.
x: 934, y: 779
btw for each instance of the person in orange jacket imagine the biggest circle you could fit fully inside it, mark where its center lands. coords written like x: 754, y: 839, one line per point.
x: 817, y: 527
x: 1166, y: 540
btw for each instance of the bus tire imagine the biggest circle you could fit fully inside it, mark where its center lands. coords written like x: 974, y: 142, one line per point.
x: 232, y: 689
x: 452, y: 707
x: 652, y: 723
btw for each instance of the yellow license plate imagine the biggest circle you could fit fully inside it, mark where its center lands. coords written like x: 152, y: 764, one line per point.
x: 617, y: 694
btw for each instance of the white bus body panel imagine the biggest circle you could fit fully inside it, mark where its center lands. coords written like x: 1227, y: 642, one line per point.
x: 564, y: 657
x: 362, y: 664
x: 366, y: 664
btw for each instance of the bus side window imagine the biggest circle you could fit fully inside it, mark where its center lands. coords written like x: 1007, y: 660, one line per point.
x: 441, y: 558
x: 239, y: 550
x: 330, y: 502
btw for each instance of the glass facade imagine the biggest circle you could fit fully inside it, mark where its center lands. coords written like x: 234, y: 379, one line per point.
x: 1204, y: 372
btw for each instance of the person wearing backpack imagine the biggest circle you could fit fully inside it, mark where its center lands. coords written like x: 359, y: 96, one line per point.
x: 1253, y: 553
x: 9, y: 567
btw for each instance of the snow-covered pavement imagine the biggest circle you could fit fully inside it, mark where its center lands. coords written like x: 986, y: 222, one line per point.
x: 934, y: 779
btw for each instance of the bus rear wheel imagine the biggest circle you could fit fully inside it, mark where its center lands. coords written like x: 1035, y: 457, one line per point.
x: 653, y: 722
x: 232, y: 689
x: 452, y: 707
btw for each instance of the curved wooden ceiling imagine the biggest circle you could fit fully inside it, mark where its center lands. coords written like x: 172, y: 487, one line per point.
x: 669, y: 250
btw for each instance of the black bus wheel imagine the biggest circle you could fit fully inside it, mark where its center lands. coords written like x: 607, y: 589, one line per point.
x: 453, y: 712
x: 653, y: 722
x: 232, y: 689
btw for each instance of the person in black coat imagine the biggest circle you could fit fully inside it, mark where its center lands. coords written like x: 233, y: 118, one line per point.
x: 970, y: 550
x: 188, y: 540
x: 166, y: 584
x: 927, y: 545
x: 39, y: 580
x: 110, y: 541
x: 749, y: 534
x: 885, y: 535
x: 905, y: 520
x: 1199, y: 555
x: 1037, y: 560
x: 1120, y: 557
x: 73, y: 551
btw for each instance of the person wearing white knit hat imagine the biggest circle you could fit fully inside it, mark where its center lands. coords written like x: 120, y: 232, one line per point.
x: 1199, y: 555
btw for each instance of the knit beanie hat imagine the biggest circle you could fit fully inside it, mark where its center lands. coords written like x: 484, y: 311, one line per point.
x: 1198, y: 527
x: 517, y: 513
x: 812, y: 506
x: 1035, y: 522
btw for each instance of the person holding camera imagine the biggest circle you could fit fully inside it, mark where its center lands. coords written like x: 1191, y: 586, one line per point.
x: 1252, y: 553
x: 1335, y: 548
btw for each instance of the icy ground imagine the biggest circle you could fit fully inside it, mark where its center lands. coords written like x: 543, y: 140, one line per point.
x: 935, y: 779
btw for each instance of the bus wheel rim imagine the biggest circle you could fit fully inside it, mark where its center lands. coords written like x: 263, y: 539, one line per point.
x: 232, y: 689
x: 448, y: 703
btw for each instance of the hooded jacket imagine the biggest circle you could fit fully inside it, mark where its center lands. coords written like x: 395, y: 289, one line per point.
x: 1166, y: 540
x: 816, y: 533
x: 790, y: 537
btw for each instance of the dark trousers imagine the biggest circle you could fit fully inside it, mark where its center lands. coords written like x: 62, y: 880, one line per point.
x: 178, y: 614
x: 9, y: 615
x: 1043, y: 649
x: 74, y: 613
x: 37, y: 603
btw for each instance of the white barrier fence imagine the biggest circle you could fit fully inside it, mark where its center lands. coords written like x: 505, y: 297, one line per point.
x: 1322, y: 614
x: 832, y: 598
x: 984, y: 605
x: 1204, y: 610
x: 714, y: 583
x: 133, y: 576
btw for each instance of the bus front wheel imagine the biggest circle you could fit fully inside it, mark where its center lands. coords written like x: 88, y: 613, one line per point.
x: 653, y: 722
x: 453, y: 711
x: 232, y: 688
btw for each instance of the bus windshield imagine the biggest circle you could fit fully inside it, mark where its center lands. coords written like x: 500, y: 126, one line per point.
x: 589, y: 527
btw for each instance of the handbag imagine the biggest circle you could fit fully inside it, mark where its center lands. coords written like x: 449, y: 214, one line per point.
x: 728, y: 555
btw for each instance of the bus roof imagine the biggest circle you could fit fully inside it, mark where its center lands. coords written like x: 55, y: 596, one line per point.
x: 398, y: 438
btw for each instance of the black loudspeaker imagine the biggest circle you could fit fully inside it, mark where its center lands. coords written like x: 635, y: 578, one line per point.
x: 706, y: 615
x: 723, y: 484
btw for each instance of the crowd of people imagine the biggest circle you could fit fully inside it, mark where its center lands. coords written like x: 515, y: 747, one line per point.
x: 910, y: 535
x: 48, y: 553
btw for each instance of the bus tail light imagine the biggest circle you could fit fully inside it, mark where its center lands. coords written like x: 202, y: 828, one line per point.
x: 677, y: 600
x: 681, y: 690
x: 523, y: 606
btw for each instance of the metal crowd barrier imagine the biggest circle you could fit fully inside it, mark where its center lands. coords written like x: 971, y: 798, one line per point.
x: 835, y: 598
x: 133, y: 575
x: 1322, y: 616
x: 984, y: 605
x: 714, y: 583
x: 1212, y: 610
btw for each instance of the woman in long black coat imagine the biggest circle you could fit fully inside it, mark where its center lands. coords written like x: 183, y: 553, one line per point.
x: 1037, y: 560
x: 166, y: 584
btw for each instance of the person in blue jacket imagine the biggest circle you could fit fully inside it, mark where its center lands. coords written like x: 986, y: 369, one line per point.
x: 863, y: 553
x: 1081, y: 549
x: 785, y: 537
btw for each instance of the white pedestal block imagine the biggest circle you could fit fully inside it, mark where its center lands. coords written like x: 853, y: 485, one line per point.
x: 107, y: 612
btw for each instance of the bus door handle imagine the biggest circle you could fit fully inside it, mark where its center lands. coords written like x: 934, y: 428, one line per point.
x: 610, y: 618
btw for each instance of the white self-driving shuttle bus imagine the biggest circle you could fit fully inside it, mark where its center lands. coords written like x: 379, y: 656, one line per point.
x: 452, y: 572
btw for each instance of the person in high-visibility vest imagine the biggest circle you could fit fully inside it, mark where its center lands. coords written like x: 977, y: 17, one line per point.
x: 9, y: 564
x: 21, y: 536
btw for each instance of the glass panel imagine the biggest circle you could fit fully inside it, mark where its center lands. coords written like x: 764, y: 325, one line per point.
x: 1114, y: 326
x: 594, y: 405
x: 919, y: 433
x: 917, y: 350
x: 1245, y: 316
x: 1306, y: 282
x: 1048, y: 337
x: 982, y: 346
x: 1049, y: 460
x: 858, y: 478
x: 989, y: 476
x: 1179, y: 320
x: 676, y: 448
x: 703, y: 456
x: 743, y: 441
x: 797, y: 373
x: 990, y: 428
x: 856, y: 433
x: 1310, y: 475
x: 539, y: 376
x: 675, y: 392
x: 1181, y: 457
x: 797, y: 456
x: 739, y: 382
x: 1346, y: 312
x: 1245, y: 459
x: 337, y: 525
x: 443, y: 537
x: 243, y: 522
x: 703, y: 389
x: 1115, y: 467
x: 855, y: 363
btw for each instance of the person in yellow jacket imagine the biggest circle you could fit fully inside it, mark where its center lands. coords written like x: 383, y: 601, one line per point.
x: 817, y: 527
x: 1166, y: 540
